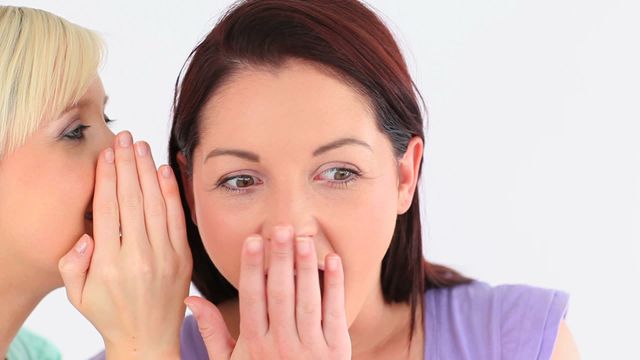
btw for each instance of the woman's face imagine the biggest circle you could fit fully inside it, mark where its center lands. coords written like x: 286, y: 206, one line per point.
x: 46, y: 187
x: 297, y: 146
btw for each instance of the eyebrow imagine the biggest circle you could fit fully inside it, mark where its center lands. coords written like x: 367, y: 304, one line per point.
x: 339, y: 143
x: 253, y: 157
x: 82, y: 103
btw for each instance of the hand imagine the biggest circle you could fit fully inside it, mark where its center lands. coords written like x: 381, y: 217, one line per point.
x: 290, y: 319
x: 131, y: 288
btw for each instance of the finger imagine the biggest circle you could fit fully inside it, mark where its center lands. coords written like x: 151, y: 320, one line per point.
x: 155, y: 213
x: 212, y: 327
x: 130, y: 199
x: 308, y: 303
x: 106, y: 214
x: 252, y: 296
x: 334, y: 320
x: 280, y: 284
x: 175, y: 213
x: 73, y: 269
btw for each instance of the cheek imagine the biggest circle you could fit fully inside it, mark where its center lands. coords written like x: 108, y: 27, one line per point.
x: 47, y: 207
x: 223, y: 233
x: 362, y: 230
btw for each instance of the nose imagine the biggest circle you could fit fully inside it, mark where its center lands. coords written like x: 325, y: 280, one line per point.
x: 290, y: 205
x: 104, y: 141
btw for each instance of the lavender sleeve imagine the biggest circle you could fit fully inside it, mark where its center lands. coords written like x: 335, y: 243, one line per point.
x: 477, y: 321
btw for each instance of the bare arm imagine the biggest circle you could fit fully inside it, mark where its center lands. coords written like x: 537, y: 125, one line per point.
x: 565, y: 348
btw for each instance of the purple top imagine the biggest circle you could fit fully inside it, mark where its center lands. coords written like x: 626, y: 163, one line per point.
x: 474, y: 321
x: 477, y: 321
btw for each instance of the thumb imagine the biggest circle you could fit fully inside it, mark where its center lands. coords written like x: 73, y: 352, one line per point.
x: 212, y: 328
x: 73, y: 268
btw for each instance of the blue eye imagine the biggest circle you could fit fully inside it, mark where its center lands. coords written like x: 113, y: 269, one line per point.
x: 77, y: 133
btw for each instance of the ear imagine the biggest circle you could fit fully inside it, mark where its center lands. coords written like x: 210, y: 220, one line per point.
x: 187, y: 183
x: 408, y: 172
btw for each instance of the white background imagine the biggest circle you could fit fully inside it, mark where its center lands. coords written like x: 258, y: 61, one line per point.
x: 532, y: 170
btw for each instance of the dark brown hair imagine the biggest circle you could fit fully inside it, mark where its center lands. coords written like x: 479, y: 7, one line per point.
x: 347, y: 38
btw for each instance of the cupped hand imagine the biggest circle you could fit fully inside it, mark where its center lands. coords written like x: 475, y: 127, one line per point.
x: 131, y: 278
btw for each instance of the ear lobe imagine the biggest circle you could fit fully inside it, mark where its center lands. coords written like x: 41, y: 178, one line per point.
x: 408, y: 173
x: 187, y: 184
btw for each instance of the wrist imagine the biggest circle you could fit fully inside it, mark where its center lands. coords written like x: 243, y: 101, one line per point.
x: 123, y: 351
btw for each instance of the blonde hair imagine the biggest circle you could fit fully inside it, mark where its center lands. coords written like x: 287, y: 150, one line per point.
x: 46, y: 65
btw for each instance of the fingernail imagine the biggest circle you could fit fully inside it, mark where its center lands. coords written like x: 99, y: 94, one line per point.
x: 282, y: 234
x: 332, y: 263
x: 166, y: 171
x: 124, y: 139
x: 82, y: 244
x: 141, y: 148
x: 303, y: 245
x: 189, y: 306
x: 192, y: 307
x: 108, y: 155
x: 254, y: 244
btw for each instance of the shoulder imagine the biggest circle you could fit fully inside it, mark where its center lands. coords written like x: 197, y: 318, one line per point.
x: 507, y: 321
x: 28, y: 345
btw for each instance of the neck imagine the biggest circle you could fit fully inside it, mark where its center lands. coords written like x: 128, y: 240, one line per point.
x: 20, y: 292
x: 382, y: 331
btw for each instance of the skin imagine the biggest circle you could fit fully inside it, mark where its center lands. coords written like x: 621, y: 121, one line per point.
x: 132, y: 287
x: 67, y: 197
x: 298, y: 181
x: 46, y: 187
x: 260, y: 173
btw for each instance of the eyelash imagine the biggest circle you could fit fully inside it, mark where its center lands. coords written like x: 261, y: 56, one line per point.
x: 77, y: 134
x: 344, y: 184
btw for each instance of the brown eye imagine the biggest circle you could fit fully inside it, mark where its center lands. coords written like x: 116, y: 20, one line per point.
x: 244, y: 181
x: 239, y: 182
x: 339, y: 175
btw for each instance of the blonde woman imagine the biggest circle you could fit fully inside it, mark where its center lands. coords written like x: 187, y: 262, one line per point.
x: 78, y: 204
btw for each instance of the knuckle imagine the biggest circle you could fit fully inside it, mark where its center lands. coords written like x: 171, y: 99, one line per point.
x: 141, y: 267
x: 109, y: 273
x: 64, y: 266
x: 131, y: 200
x: 284, y: 348
x: 155, y: 207
x: 308, y: 308
x: 334, y: 313
x: 280, y: 298
x: 106, y: 208
x: 281, y: 253
x: 144, y: 270
x: 169, y: 268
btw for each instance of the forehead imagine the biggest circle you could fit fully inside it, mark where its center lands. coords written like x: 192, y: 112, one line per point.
x: 298, y: 99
